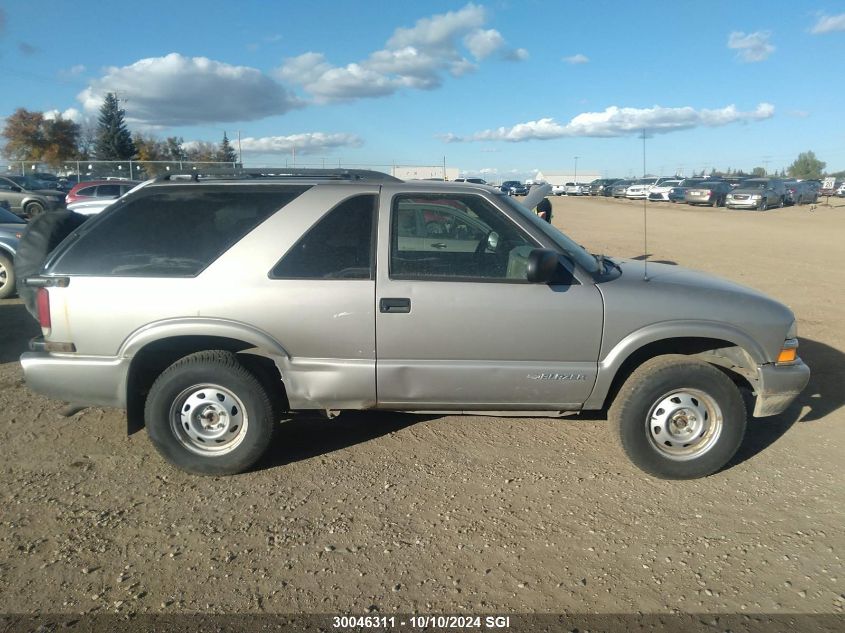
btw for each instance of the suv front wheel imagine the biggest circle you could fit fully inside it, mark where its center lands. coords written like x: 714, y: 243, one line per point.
x: 679, y: 417
x: 206, y: 414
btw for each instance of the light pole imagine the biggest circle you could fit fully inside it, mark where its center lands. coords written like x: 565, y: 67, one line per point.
x: 576, y: 170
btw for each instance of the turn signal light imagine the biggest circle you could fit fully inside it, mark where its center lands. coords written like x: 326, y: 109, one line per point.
x: 787, y: 355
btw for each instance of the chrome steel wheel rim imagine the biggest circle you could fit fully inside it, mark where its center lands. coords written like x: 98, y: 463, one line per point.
x: 4, y: 276
x: 209, y: 420
x: 684, y: 424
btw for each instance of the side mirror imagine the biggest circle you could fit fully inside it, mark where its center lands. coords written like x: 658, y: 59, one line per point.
x: 542, y: 264
x: 492, y: 240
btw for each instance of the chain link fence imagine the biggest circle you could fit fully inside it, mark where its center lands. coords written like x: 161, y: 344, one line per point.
x: 78, y: 170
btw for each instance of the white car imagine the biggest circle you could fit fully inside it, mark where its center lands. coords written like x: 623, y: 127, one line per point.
x: 660, y: 193
x: 96, y: 205
x: 559, y: 190
x: 89, y: 207
x: 576, y: 189
x: 640, y: 188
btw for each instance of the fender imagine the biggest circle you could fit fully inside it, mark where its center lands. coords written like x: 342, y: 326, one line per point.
x: 193, y: 326
x: 666, y: 330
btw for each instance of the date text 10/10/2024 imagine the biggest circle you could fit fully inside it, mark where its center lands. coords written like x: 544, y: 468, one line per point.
x: 422, y: 621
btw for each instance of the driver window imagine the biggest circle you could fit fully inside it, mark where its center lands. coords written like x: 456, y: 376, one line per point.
x: 462, y: 236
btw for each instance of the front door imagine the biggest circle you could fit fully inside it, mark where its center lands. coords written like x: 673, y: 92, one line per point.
x: 458, y: 327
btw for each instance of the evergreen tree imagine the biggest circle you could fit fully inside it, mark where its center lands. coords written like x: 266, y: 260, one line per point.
x: 113, y: 139
x: 226, y: 153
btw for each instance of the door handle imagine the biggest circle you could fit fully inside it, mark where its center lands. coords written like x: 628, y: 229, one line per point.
x: 438, y: 245
x: 394, y: 306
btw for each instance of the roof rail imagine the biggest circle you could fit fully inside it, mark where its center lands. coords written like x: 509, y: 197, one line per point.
x: 359, y: 175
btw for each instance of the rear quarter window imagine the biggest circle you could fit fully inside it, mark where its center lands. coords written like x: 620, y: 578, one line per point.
x: 174, y: 232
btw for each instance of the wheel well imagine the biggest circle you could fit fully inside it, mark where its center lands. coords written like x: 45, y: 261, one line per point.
x: 154, y: 358
x: 724, y: 355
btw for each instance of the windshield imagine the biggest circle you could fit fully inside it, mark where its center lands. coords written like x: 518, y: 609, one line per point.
x: 690, y: 182
x: 646, y: 181
x: 7, y: 217
x: 754, y: 184
x: 28, y: 182
x: 575, y: 251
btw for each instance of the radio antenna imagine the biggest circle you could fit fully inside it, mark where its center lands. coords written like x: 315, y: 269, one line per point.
x: 645, y: 220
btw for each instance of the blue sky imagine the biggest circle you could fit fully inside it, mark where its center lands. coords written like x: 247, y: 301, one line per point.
x: 500, y: 88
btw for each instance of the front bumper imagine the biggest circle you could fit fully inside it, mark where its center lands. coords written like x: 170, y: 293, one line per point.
x: 85, y: 380
x: 778, y: 386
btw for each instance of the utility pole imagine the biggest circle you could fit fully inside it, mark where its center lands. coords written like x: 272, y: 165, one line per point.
x: 576, y: 171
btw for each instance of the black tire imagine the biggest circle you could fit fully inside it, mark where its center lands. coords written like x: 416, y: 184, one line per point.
x: 643, y: 400
x: 245, y: 434
x: 763, y: 204
x: 34, y: 209
x: 7, y: 277
x: 780, y: 203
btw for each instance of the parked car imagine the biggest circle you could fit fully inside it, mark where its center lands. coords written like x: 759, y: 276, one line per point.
x: 333, y: 308
x: 619, y: 188
x: 757, y: 193
x: 474, y: 181
x: 559, y: 190
x: 514, y: 188
x: 104, y: 189
x: 26, y: 198
x: 678, y: 192
x: 710, y: 192
x: 660, y: 193
x: 801, y: 191
x: 602, y: 186
x: 576, y: 189
x: 639, y: 189
x: 11, y: 230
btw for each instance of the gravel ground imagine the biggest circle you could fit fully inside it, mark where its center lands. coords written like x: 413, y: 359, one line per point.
x: 454, y: 514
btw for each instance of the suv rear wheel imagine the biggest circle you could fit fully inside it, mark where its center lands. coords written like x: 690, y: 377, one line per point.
x: 206, y: 414
x: 679, y: 417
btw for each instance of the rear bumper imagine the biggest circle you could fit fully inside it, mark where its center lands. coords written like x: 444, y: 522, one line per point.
x: 90, y: 381
x: 778, y: 386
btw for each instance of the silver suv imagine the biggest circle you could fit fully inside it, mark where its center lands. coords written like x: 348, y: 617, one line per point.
x: 211, y: 308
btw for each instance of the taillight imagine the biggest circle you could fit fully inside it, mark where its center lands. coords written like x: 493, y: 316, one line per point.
x: 43, y: 301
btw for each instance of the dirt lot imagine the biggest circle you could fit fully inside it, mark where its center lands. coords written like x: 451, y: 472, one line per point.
x: 451, y: 514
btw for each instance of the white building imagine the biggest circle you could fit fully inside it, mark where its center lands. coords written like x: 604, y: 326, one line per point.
x: 563, y: 177
x: 423, y: 172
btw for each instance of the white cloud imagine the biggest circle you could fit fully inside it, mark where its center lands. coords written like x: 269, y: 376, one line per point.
x: 307, y: 143
x: 71, y: 114
x: 829, y: 24
x: 484, y: 43
x: 178, y: 90
x: 415, y: 57
x: 576, y: 59
x: 615, y: 121
x: 751, y: 47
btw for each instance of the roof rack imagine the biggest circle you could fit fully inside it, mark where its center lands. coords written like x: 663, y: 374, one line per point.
x: 358, y: 175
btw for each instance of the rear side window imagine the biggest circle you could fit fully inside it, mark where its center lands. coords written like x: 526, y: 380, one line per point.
x: 172, y: 233
x: 105, y: 191
x: 339, y: 246
x: 87, y: 191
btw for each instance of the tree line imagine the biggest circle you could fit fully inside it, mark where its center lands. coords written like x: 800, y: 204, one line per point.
x: 32, y: 136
